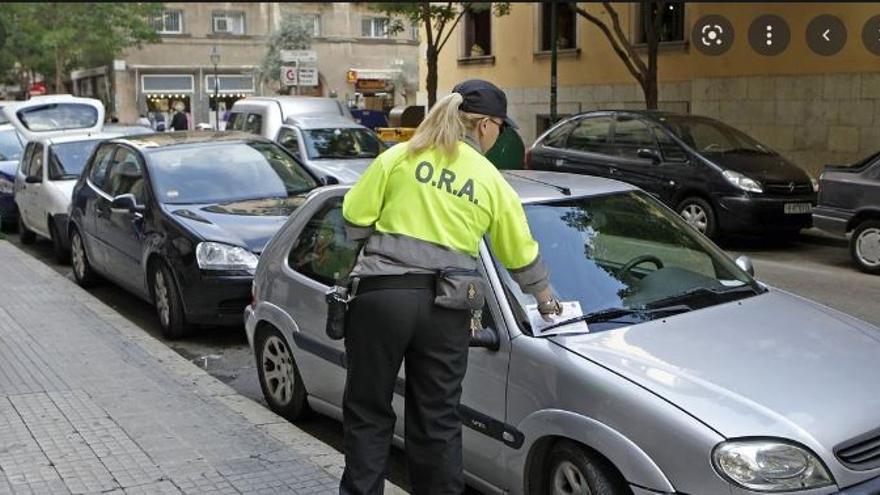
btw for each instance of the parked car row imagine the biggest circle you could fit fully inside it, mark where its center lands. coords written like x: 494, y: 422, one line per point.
x: 684, y: 374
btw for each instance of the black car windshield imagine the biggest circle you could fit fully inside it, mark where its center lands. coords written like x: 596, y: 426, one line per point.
x: 626, y: 252
x: 342, y: 143
x: 226, y: 172
x: 67, y: 160
x: 10, y: 145
x: 710, y: 136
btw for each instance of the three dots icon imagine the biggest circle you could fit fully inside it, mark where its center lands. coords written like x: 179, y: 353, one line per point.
x: 769, y: 35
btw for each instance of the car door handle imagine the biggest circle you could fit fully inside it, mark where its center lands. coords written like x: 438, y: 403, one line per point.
x: 612, y: 171
x: 560, y: 162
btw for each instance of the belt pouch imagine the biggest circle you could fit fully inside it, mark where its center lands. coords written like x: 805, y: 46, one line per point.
x: 337, y: 307
x: 458, y: 288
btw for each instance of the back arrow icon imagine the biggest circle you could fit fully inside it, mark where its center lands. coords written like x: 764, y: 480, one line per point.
x: 825, y: 35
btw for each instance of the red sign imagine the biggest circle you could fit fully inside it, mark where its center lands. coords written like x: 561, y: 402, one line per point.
x: 37, y: 88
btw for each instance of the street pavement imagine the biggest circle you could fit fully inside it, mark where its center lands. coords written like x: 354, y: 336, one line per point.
x: 90, y: 403
x: 813, y: 266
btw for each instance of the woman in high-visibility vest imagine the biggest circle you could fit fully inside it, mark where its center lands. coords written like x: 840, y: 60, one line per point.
x: 423, y: 207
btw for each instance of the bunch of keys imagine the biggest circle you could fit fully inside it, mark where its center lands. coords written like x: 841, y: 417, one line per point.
x: 476, y: 321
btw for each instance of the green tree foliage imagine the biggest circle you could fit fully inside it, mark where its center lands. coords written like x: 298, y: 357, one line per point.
x: 54, y: 38
x: 437, y: 21
x: 295, y: 33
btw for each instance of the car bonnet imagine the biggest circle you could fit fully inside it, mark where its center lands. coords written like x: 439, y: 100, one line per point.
x: 769, y: 365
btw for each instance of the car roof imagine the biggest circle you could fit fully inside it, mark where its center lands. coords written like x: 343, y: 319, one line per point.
x: 653, y: 115
x: 145, y: 142
x: 75, y: 136
x: 323, y: 122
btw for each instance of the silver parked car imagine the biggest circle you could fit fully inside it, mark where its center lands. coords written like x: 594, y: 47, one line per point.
x: 688, y: 377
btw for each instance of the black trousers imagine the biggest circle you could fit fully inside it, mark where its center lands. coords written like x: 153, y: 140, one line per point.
x: 385, y: 326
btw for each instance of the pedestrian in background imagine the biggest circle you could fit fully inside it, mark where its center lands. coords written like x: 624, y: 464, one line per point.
x: 179, y: 121
x: 423, y: 208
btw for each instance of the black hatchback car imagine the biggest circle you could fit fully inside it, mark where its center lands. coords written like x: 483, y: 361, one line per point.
x: 716, y: 177
x: 180, y: 219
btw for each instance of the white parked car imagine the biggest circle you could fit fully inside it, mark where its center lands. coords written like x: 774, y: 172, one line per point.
x: 60, y: 133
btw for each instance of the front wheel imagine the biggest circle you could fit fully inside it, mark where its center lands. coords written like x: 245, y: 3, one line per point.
x: 864, y: 246
x: 168, y: 303
x: 572, y: 471
x: 82, y: 269
x: 62, y: 255
x: 279, y: 376
x: 699, y: 214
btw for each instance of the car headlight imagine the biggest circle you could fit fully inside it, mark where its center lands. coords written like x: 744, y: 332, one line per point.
x: 217, y: 256
x: 741, y: 181
x: 6, y: 186
x: 814, y: 182
x: 769, y: 465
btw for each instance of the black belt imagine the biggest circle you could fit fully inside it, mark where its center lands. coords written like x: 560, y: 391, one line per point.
x: 410, y: 281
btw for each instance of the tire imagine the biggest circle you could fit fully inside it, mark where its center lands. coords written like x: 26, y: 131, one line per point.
x: 82, y: 269
x: 864, y: 246
x: 27, y: 236
x: 62, y: 254
x: 699, y: 214
x: 572, y: 471
x: 167, y: 301
x: 7, y: 226
x: 280, y: 380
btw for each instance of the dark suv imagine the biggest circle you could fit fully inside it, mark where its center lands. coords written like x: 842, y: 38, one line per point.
x: 716, y: 177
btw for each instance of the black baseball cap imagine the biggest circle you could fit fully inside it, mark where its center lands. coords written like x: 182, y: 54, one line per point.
x: 484, y: 98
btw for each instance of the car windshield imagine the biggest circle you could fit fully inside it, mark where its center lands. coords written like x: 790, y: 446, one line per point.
x: 342, y: 143
x: 225, y: 173
x: 67, y: 160
x: 58, y: 116
x: 10, y: 145
x: 626, y: 256
x: 710, y: 136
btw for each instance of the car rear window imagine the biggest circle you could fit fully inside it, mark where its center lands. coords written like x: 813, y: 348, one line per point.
x: 58, y: 117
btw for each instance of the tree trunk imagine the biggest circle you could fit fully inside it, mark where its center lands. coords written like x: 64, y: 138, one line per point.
x: 59, y: 67
x: 431, y: 77
x: 652, y: 13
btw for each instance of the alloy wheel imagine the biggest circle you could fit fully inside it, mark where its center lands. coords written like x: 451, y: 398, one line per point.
x: 868, y: 247
x: 160, y: 294
x: 696, y: 216
x: 78, y: 256
x: 569, y: 480
x: 278, y: 370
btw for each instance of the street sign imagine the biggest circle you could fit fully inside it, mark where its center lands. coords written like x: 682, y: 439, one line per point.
x: 288, y: 75
x: 299, y: 56
x: 308, y: 76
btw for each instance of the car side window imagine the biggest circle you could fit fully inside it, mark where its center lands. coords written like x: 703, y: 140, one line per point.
x: 236, y: 122
x: 126, y: 176
x: 631, y: 135
x: 25, y: 163
x: 556, y: 139
x: 35, y: 167
x: 671, y: 151
x: 102, y: 160
x: 591, y: 134
x: 288, y: 139
x: 253, y: 123
x: 322, y: 251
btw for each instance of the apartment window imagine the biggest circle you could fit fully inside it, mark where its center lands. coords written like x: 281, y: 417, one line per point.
x: 414, y: 31
x: 315, y: 20
x: 374, y: 27
x: 478, y: 33
x: 671, y: 23
x: 228, y: 22
x: 169, y: 22
x: 566, y: 22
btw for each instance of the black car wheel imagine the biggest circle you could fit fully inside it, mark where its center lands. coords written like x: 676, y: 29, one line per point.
x: 572, y: 471
x: 62, y: 255
x: 279, y: 376
x: 699, y: 214
x: 166, y: 299
x: 82, y: 269
x: 864, y: 246
x: 27, y: 236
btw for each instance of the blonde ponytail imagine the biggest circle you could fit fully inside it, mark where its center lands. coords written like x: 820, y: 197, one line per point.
x: 443, y: 127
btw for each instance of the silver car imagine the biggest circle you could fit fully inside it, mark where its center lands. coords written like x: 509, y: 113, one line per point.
x: 682, y: 375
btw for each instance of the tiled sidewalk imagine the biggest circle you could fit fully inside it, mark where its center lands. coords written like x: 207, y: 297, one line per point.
x: 89, y: 403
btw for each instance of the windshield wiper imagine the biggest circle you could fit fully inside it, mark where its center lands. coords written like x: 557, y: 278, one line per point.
x: 610, y: 314
x: 751, y: 151
x: 698, y: 292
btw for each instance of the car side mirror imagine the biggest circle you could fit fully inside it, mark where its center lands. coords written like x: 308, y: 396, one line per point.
x: 649, y: 154
x: 125, y: 203
x: 33, y: 179
x: 486, y: 338
x: 328, y: 180
x: 745, y: 263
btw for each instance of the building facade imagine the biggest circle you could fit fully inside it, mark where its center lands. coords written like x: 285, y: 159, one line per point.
x: 358, y: 60
x: 815, y: 109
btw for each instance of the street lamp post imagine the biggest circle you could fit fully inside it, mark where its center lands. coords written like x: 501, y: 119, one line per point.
x: 215, y: 59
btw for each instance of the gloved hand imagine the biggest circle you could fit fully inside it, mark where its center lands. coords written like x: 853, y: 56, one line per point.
x: 549, y: 307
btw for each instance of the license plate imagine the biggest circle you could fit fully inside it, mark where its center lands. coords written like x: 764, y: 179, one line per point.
x: 798, y: 208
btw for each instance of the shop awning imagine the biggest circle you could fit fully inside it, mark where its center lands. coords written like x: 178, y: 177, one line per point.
x: 230, y: 83
x: 167, y: 83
